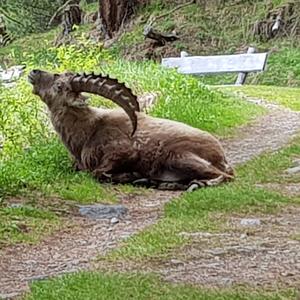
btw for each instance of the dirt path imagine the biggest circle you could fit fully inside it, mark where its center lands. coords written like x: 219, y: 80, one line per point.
x: 75, y: 247
x: 269, y: 133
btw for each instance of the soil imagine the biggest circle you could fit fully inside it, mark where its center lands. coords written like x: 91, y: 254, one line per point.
x: 267, y: 257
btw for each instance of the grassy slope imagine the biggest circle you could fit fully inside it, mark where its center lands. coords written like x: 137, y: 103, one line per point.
x: 220, y: 31
x: 286, y: 96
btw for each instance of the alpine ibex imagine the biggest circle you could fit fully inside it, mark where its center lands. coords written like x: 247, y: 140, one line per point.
x: 130, y: 146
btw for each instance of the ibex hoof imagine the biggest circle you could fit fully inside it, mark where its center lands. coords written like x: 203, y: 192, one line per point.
x: 143, y: 182
x: 195, y: 186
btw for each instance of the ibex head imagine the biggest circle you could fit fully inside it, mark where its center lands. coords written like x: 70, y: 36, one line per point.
x: 58, y: 90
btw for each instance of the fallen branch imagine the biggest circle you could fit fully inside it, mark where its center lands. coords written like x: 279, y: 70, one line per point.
x: 160, y: 38
x: 58, y: 11
x: 8, y: 17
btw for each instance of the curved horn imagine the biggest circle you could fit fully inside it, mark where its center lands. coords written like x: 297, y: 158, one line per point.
x: 109, y: 88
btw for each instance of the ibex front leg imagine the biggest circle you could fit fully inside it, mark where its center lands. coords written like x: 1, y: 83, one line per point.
x: 109, y: 169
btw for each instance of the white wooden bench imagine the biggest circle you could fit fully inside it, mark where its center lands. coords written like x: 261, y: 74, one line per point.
x: 235, y: 63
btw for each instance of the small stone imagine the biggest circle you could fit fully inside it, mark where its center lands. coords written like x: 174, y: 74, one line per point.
x: 100, y: 211
x: 38, y: 278
x: 9, y: 296
x: 176, y: 262
x: 114, y: 221
x: 226, y: 281
x: 250, y: 222
x: 243, y: 236
x: 294, y: 170
x: 296, y: 162
x: 16, y: 205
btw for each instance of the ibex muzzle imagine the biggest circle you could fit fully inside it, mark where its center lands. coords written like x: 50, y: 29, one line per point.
x: 124, y: 147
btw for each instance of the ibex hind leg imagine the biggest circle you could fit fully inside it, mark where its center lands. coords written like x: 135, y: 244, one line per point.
x: 197, y: 184
x: 197, y: 172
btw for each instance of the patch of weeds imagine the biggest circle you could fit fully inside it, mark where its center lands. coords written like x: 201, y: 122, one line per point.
x: 89, y: 7
x: 25, y: 224
x: 286, y: 96
x: 114, y: 286
x: 47, y: 168
x: 283, y: 66
x: 269, y: 168
x: 35, y: 45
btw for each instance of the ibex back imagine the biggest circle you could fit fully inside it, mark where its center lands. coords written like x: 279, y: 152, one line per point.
x: 128, y: 146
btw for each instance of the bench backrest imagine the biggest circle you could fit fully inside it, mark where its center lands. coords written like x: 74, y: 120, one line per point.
x: 198, y: 65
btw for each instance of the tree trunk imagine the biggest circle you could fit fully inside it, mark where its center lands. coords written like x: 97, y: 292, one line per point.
x: 114, y: 13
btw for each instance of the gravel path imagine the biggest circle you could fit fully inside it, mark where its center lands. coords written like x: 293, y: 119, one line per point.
x: 75, y: 247
x: 265, y: 255
x: 269, y: 133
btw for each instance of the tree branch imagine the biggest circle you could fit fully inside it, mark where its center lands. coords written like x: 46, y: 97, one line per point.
x: 58, y: 11
x: 7, y: 16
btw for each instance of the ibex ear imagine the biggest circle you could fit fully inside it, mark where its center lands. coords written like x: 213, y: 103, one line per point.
x: 78, y: 101
x: 60, y: 87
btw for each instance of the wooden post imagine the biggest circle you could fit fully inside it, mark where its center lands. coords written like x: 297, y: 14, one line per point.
x: 242, y: 76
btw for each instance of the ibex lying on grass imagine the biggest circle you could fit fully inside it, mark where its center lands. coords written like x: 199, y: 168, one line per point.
x: 129, y: 147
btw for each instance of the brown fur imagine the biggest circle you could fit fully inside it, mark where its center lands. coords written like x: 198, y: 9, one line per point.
x: 101, y: 140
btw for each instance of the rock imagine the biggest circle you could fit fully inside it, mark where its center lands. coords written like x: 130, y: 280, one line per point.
x: 11, y: 75
x: 243, y: 236
x: 294, y: 170
x: 226, y: 281
x: 250, y: 222
x: 114, y: 221
x: 100, y: 211
x: 176, y: 262
x: 16, y: 205
x: 296, y: 162
x: 38, y: 278
x: 9, y: 296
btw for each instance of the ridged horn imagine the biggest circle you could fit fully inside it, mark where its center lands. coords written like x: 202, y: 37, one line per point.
x: 109, y: 88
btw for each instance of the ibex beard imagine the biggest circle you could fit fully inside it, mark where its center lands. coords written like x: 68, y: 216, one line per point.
x: 126, y: 145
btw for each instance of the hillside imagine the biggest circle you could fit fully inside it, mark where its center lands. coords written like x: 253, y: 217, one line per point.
x: 219, y: 30
x: 202, y: 30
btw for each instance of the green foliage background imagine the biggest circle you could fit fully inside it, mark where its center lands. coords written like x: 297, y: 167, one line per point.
x: 27, y: 16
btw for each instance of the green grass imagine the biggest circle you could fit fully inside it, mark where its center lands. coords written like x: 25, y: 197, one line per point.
x: 270, y: 168
x: 20, y: 50
x: 95, y: 286
x: 46, y: 168
x: 25, y: 224
x: 286, y: 96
